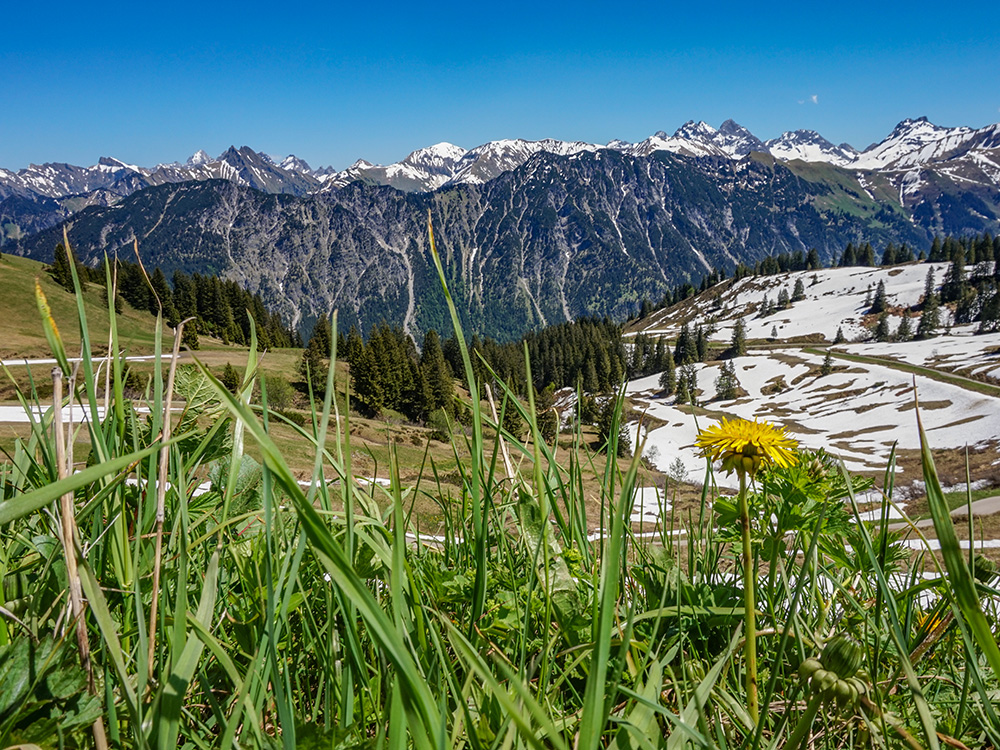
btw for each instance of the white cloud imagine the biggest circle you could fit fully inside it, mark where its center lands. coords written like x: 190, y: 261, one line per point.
x: 814, y: 99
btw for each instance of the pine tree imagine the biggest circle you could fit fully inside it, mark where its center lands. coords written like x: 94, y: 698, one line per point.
x: 163, y: 298
x: 930, y: 318
x: 882, y: 331
x: 905, y: 331
x: 701, y: 343
x: 726, y: 385
x: 989, y: 316
x: 881, y: 302
x: 440, y: 385
x: 231, y: 378
x: 366, y: 380
x: 799, y: 292
x: 605, y: 424
x: 929, y: 288
x: 189, y: 337
x: 687, y: 384
x: 685, y: 351
x: 784, y: 301
x: 668, y: 378
x: 839, y: 338
x: 314, y: 366
x: 867, y: 256
x: 889, y: 255
x: 954, y: 281
x: 60, y: 269
x: 738, y: 344
x: 546, y: 416
x: 827, y: 367
x: 812, y: 260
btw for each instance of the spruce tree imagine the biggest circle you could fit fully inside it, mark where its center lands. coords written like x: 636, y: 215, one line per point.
x: 882, y: 331
x: 784, y: 301
x: 314, y: 366
x: 545, y: 413
x: 881, y: 302
x: 905, y: 330
x: 839, y: 338
x: 738, y: 344
x: 366, y: 380
x: 799, y: 292
x: 231, y: 379
x: 989, y: 316
x: 929, y: 288
x: 827, y: 367
x: 436, y: 373
x: 930, y: 318
x: 668, y: 378
x: 60, y: 269
x: 726, y: 385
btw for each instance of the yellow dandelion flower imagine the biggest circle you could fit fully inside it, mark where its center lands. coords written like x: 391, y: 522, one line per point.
x: 743, y: 445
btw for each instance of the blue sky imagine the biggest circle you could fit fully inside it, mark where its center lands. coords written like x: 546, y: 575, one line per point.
x: 334, y: 82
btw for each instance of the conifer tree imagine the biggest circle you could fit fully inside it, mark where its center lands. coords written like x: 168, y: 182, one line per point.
x: 839, y: 338
x: 60, y: 269
x: 882, y: 331
x: 231, y: 378
x: 905, y: 330
x: 989, y: 316
x: 726, y: 384
x: 436, y: 373
x: 954, y: 281
x: 701, y: 343
x: 827, y: 367
x: 366, y: 380
x: 799, y: 291
x: 738, y: 344
x: 930, y: 318
x: 685, y: 350
x: 812, y: 260
x: 314, y: 366
x: 545, y: 413
x: 668, y: 379
x: 929, y: 288
x: 784, y: 301
x: 881, y: 302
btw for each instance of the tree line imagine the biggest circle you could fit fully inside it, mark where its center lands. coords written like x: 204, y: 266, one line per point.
x: 218, y: 306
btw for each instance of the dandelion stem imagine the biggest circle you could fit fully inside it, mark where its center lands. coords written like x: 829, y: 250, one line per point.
x: 801, y: 731
x: 749, y: 613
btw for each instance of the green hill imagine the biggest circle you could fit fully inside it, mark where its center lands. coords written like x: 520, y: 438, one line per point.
x: 21, y: 323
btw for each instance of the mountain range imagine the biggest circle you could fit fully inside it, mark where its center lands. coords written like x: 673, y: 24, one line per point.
x: 533, y: 232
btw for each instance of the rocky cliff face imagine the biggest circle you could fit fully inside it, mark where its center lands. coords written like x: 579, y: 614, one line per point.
x: 559, y: 237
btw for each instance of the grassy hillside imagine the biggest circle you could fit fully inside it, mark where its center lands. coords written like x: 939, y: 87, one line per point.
x: 23, y: 336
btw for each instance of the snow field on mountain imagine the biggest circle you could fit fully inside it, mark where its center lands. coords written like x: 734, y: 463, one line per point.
x: 856, y: 413
x: 835, y: 298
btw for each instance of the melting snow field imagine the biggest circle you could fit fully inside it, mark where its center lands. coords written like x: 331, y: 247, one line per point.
x: 834, y: 298
x: 857, y: 413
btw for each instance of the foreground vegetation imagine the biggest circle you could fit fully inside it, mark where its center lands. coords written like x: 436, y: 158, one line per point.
x: 261, y: 613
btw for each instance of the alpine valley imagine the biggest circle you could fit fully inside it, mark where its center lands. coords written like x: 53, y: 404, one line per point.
x: 530, y: 232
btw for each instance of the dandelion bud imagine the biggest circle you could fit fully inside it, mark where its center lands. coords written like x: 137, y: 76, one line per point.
x: 843, y: 656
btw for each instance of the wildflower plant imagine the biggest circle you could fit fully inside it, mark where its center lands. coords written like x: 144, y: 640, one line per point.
x: 744, y: 447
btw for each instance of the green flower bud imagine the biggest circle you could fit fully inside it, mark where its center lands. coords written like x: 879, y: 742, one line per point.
x: 843, y: 656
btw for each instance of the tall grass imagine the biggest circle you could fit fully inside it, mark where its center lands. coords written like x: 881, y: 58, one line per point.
x: 262, y: 613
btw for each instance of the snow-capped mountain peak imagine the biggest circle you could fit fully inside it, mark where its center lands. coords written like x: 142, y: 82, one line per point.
x: 198, y: 158
x: 292, y: 163
x: 808, y: 145
x: 913, y: 142
x: 695, y: 131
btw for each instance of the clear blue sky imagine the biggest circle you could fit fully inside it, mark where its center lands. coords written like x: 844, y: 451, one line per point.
x: 333, y: 82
